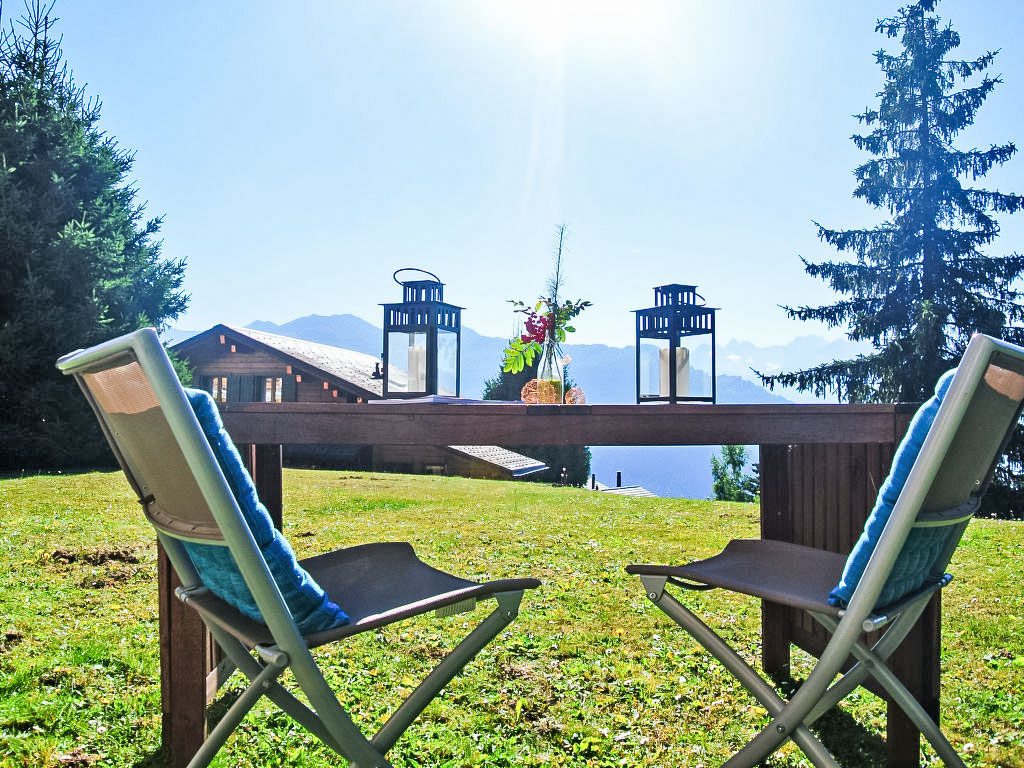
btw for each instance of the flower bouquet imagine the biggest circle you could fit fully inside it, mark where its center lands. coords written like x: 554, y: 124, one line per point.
x: 545, y: 325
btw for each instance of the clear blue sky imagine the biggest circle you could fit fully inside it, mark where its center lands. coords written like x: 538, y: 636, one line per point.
x: 301, y: 152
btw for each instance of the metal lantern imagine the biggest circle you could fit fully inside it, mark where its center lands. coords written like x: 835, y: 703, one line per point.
x: 422, y: 340
x: 667, y: 368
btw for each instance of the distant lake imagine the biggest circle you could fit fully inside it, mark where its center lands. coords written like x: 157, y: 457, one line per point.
x: 669, y: 470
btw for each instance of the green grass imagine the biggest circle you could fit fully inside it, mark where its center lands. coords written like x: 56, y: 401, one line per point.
x: 589, y: 675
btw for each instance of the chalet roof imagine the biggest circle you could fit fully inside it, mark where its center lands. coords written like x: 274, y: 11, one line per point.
x: 347, y: 365
x: 625, y: 490
x: 516, y: 464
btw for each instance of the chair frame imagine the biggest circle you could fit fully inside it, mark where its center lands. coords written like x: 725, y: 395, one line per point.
x: 790, y: 719
x: 262, y: 652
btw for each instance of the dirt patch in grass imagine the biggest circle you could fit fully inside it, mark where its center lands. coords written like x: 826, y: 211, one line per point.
x: 105, y: 566
x: 10, y: 639
x: 99, y: 556
x: 77, y: 758
x: 58, y: 675
x: 109, y: 579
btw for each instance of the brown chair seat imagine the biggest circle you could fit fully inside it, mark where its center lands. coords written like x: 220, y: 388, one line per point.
x: 779, y: 571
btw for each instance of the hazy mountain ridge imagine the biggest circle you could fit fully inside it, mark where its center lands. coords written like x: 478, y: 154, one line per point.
x: 607, y: 375
x: 743, y: 358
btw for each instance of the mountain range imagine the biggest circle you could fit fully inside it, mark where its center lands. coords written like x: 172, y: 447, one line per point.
x: 607, y: 375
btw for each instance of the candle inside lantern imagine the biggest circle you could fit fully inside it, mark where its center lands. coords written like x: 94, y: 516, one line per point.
x: 682, y: 372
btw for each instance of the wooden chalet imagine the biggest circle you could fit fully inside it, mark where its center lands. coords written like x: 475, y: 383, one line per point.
x: 242, y: 365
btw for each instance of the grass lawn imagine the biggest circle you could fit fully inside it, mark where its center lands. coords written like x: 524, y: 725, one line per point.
x: 590, y: 673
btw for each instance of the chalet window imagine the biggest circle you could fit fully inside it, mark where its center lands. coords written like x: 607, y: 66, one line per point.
x: 272, y: 388
x: 219, y: 388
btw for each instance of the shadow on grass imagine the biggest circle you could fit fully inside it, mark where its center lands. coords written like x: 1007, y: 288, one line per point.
x: 156, y: 759
x: 215, y: 710
x: 852, y: 744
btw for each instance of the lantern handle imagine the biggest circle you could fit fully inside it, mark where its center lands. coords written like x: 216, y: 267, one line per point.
x: 413, y: 269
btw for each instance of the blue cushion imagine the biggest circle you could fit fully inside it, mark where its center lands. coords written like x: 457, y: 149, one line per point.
x: 923, y: 545
x: 307, y: 601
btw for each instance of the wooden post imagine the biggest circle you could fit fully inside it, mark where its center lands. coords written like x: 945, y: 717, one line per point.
x: 917, y: 663
x: 776, y: 523
x: 183, y: 667
x: 266, y: 474
x: 263, y: 463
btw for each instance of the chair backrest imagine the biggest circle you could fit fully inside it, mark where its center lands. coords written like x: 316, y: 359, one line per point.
x: 153, y: 433
x: 191, y: 484
x: 996, y: 391
x: 939, y: 475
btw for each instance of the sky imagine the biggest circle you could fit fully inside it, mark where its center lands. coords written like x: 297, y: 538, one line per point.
x: 301, y: 153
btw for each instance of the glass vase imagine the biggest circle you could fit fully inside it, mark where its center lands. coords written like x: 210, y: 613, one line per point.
x: 550, y: 376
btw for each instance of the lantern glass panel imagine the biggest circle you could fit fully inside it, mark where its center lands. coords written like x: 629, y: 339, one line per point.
x: 692, y: 368
x: 447, y: 363
x: 652, y: 353
x: 407, y: 362
x: 699, y: 373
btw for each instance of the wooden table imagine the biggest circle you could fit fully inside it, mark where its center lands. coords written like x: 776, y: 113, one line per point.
x: 821, y: 466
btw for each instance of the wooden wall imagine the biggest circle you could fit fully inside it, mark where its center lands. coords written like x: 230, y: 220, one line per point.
x: 209, y: 357
x: 819, y: 496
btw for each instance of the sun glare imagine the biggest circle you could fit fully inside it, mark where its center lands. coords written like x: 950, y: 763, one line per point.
x: 553, y: 26
x: 577, y: 42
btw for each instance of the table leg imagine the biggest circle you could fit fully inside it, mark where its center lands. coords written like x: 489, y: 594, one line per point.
x: 917, y: 664
x: 266, y: 474
x: 776, y: 523
x: 183, y: 661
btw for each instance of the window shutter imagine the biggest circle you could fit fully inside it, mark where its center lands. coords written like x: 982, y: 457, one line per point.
x: 241, y: 389
x: 289, y: 390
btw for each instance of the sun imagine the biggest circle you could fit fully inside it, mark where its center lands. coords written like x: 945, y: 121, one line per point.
x: 552, y: 27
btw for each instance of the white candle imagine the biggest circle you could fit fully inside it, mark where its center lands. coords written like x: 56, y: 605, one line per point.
x: 682, y: 372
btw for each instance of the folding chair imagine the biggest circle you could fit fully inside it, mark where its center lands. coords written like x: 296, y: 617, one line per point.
x: 939, y: 474
x: 264, y: 609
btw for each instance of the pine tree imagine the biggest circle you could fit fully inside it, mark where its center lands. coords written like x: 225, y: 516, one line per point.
x: 918, y: 285
x: 728, y: 481
x: 78, y: 264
